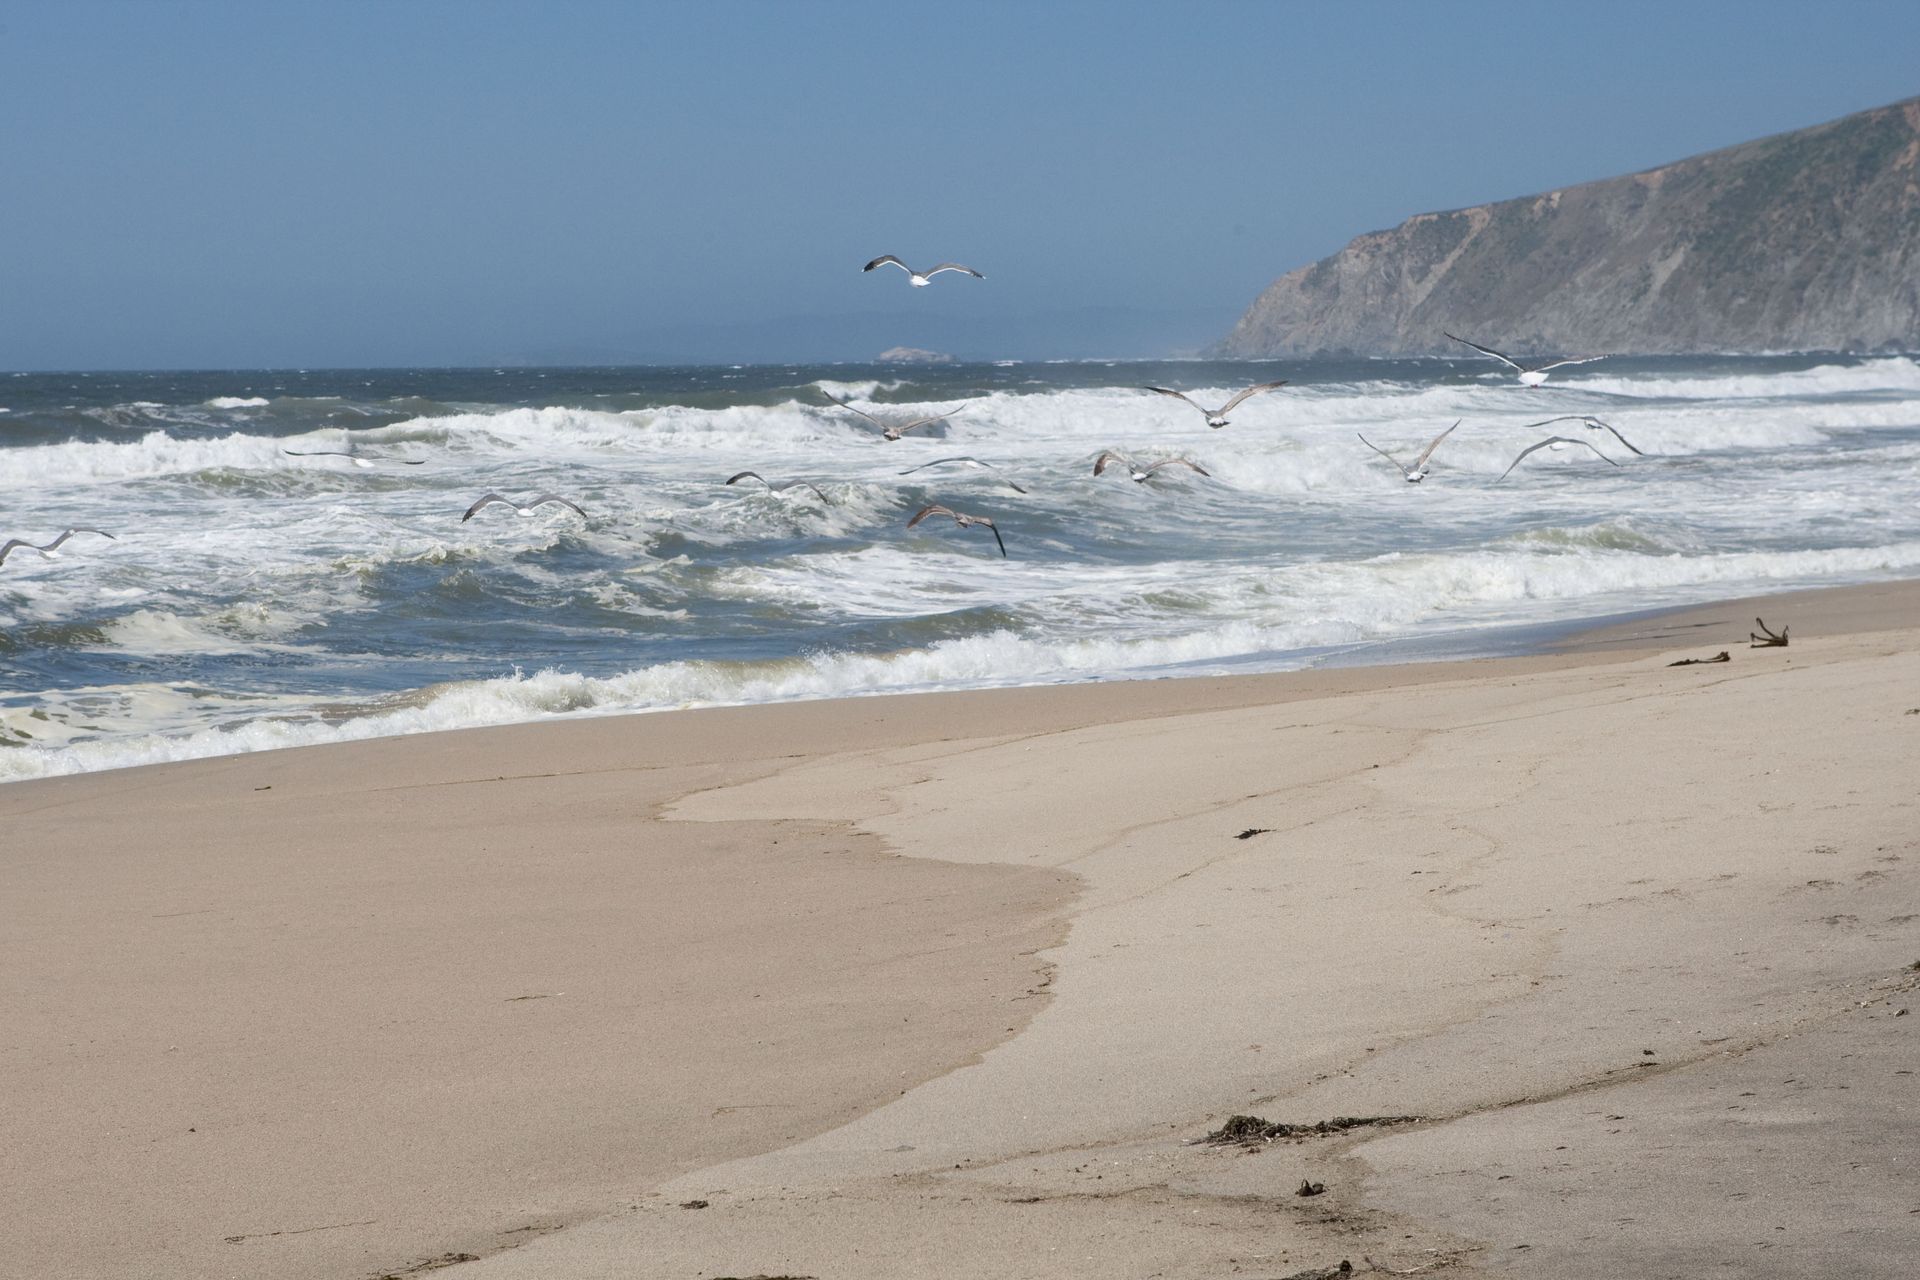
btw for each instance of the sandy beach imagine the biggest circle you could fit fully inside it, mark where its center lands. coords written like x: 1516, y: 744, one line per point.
x: 1619, y: 953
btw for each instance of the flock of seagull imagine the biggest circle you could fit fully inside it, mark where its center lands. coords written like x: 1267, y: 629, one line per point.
x: 1529, y: 375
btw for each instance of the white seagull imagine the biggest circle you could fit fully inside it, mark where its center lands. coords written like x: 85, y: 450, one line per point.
x: 1418, y: 471
x: 357, y: 459
x: 1554, y: 440
x: 1218, y: 417
x: 791, y: 484
x: 542, y: 500
x: 1591, y: 424
x: 970, y: 462
x: 963, y: 520
x: 46, y: 549
x: 1140, y: 474
x: 1530, y: 375
x: 920, y: 279
x: 889, y: 432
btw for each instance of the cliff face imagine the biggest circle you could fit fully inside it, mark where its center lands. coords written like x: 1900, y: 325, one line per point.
x: 1804, y: 241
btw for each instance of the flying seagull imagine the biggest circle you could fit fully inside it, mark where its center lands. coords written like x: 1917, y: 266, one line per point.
x: 1553, y: 440
x: 971, y: 462
x: 1218, y: 417
x: 542, y: 500
x: 356, y: 459
x: 1529, y: 376
x: 1418, y: 471
x: 1591, y: 424
x: 963, y: 520
x: 1140, y: 474
x: 919, y: 279
x: 791, y: 484
x: 892, y: 432
x: 48, y: 548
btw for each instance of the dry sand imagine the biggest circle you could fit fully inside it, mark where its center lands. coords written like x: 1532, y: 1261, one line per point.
x: 947, y: 985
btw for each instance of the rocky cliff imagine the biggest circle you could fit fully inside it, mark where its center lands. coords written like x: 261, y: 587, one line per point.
x: 1807, y: 241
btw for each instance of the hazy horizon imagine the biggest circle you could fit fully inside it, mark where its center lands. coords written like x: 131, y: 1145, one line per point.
x: 224, y: 186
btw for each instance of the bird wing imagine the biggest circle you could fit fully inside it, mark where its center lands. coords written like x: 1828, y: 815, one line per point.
x: 887, y: 257
x: 954, y: 266
x: 1622, y: 439
x: 1488, y: 351
x: 799, y: 484
x: 928, y: 421
x: 1421, y: 462
x: 1547, y: 422
x: 1382, y: 452
x: 1230, y: 405
x: 8, y: 548
x: 318, y: 453
x: 1543, y: 444
x: 934, y: 510
x: 1167, y: 391
x: 742, y: 475
x: 1106, y: 459
x: 850, y: 409
x: 1542, y: 368
x: 484, y: 500
x: 996, y: 534
x: 545, y: 498
x: 941, y: 461
x: 1179, y: 462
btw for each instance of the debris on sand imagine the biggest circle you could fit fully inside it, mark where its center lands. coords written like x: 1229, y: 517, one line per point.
x: 1722, y: 656
x: 1766, y: 639
x: 1247, y: 1131
x: 1311, y: 1188
x: 1322, y: 1273
x: 1251, y: 832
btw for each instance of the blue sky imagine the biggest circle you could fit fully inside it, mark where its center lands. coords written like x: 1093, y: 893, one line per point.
x: 238, y: 185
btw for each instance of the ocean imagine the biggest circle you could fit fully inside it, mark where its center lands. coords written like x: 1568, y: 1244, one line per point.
x: 255, y: 599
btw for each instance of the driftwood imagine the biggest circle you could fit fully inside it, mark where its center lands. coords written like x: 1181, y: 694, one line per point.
x: 1722, y: 656
x: 1766, y: 639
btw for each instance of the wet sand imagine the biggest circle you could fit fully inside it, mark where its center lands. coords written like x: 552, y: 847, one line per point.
x: 949, y: 984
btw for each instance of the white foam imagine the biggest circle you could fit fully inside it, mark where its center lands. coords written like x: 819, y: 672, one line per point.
x: 238, y: 402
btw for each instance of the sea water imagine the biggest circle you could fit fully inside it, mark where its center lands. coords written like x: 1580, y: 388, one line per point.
x: 256, y: 599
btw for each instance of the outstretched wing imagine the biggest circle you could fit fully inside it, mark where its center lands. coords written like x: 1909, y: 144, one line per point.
x: 1168, y: 391
x: 1487, y: 351
x: 850, y: 409
x: 485, y: 500
x: 1179, y: 462
x: 1106, y: 459
x: 545, y: 498
x: 807, y: 484
x: 11, y: 543
x: 954, y: 266
x: 1421, y: 462
x: 996, y: 534
x: 1542, y: 368
x: 743, y: 475
x: 887, y: 257
x: 1551, y: 440
x: 935, y: 510
x: 1617, y: 436
x: 1377, y: 449
x: 1232, y: 404
x: 928, y: 421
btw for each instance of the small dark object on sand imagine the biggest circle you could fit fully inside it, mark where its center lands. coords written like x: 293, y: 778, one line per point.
x: 1322, y: 1273
x: 1766, y: 639
x: 1249, y: 1130
x: 1310, y: 1188
x: 694, y: 1204
x: 1722, y: 656
x: 1251, y: 832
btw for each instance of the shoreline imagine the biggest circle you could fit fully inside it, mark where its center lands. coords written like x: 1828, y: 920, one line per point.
x: 993, y: 958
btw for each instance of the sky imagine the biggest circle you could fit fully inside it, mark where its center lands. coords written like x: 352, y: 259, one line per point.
x: 266, y: 185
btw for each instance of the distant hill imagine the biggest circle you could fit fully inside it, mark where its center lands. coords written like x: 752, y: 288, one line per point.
x: 1806, y: 241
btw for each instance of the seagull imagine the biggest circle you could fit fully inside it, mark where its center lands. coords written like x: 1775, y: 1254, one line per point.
x: 1418, y: 471
x: 1140, y: 474
x: 971, y: 462
x: 891, y: 432
x: 1529, y: 377
x: 355, y: 458
x: 1591, y: 424
x: 743, y: 475
x: 49, y: 548
x: 1553, y: 440
x: 963, y: 520
x: 542, y: 500
x: 1218, y: 417
x: 920, y: 279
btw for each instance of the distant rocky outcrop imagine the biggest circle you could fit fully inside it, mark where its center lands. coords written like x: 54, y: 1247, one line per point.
x: 1807, y: 241
x: 912, y: 355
